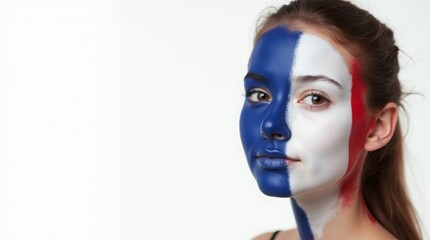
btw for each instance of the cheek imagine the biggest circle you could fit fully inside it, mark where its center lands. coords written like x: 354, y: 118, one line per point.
x: 320, y: 140
x: 247, y: 128
x: 249, y: 124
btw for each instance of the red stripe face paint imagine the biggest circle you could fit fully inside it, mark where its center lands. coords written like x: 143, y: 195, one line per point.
x: 361, y: 125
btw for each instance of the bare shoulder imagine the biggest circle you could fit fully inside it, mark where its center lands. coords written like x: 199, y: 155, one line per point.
x: 287, y: 235
x: 264, y: 236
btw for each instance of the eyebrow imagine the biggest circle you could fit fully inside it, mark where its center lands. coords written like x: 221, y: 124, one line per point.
x: 255, y: 76
x: 309, y: 78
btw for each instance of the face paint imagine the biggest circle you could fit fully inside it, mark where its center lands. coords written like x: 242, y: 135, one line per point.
x: 296, y: 123
x: 263, y: 127
x: 320, y: 136
x: 360, y: 121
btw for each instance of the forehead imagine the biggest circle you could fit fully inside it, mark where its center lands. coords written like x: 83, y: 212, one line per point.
x: 281, y: 53
x: 274, y: 52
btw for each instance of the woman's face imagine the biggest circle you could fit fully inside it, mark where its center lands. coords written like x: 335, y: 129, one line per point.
x: 303, y: 119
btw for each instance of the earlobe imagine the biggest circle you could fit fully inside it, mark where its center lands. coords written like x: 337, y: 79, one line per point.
x: 384, y: 127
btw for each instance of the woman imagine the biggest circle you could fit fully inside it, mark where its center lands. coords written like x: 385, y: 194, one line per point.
x: 319, y: 123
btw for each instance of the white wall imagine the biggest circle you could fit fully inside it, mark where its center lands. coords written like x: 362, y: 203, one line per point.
x: 119, y: 119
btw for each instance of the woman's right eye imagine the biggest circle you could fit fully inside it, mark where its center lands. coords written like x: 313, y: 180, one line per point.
x: 258, y: 95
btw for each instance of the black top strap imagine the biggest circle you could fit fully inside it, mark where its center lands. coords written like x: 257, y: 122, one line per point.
x: 274, y: 235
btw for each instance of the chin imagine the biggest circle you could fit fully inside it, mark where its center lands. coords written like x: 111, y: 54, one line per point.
x: 274, y: 184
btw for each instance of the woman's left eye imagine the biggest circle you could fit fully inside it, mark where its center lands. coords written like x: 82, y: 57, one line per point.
x: 315, y: 100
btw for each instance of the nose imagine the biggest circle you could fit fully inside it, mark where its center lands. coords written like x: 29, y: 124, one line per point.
x: 274, y: 125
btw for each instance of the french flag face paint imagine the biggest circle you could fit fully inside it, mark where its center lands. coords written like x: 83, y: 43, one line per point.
x: 296, y: 123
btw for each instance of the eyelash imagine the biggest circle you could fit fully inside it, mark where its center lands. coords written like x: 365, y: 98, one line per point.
x: 314, y: 93
x: 249, y: 94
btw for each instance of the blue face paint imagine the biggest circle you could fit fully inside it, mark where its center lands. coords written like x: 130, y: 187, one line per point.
x: 263, y: 126
x: 302, y: 222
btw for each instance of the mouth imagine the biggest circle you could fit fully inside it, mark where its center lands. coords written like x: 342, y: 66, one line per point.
x: 274, y: 160
x: 272, y: 163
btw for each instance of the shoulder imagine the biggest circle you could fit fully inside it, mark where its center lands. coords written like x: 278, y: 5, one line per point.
x: 288, y: 235
x: 264, y: 236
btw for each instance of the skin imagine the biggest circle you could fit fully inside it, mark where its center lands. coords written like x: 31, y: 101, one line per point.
x: 296, y: 143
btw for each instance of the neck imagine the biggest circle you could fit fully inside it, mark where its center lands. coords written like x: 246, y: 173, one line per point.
x: 331, y: 214
x: 312, y: 215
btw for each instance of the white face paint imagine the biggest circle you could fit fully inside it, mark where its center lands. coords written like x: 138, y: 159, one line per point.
x: 320, y: 133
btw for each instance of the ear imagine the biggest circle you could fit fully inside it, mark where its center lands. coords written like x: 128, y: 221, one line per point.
x: 383, y: 130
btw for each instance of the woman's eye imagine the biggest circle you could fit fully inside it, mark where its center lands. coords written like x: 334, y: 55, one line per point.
x: 258, y: 95
x: 315, y: 100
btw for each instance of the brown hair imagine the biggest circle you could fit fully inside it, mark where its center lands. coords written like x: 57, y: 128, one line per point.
x: 372, y: 42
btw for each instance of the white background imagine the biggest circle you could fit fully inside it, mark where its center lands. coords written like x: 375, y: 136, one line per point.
x: 119, y: 119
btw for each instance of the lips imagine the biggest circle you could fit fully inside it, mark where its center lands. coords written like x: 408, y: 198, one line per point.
x: 273, y: 159
x: 272, y: 163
